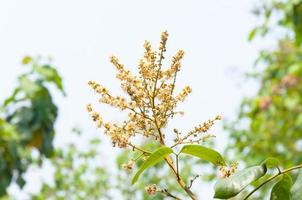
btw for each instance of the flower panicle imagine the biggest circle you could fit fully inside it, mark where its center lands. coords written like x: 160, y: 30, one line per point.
x: 198, y: 134
x: 151, y: 189
x: 150, y: 100
x: 226, y: 171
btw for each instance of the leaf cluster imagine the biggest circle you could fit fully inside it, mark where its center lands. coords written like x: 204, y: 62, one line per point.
x: 27, y: 121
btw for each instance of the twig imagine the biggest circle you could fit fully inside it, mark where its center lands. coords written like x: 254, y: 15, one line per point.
x: 182, y: 141
x: 138, y: 157
x: 167, y: 193
x: 192, y: 180
x: 139, y: 149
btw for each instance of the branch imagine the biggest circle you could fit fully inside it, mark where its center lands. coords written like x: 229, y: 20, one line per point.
x: 272, y: 178
x: 177, y: 170
x: 179, y: 179
x: 139, y: 149
x: 192, y: 180
x: 141, y: 114
x: 167, y: 193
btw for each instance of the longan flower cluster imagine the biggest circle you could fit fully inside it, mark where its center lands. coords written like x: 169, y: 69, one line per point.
x: 106, y: 98
x: 228, y: 171
x: 150, y: 100
x: 184, y: 93
x: 129, y: 166
x: 197, y: 134
x: 95, y: 116
x: 205, y: 126
x: 175, y: 66
x: 151, y: 189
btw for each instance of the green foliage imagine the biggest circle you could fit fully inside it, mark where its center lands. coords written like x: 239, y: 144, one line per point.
x: 46, y: 72
x: 281, y: 190
x: 27, y: 122
x: 77, y: 175
x: 159, y: 174
x: 204, y: 153
x: 50, y: 74
x: 231, y: 186
x: 278, y: 15
x: 296, y: 192
x: 9, y: 156
x: 297, y: 21
x: 258, y: 176
x: 270, y: 123
x: 252, y: 34
x: 271, y: 162
x: 153, y: 159
x: 274, y: 115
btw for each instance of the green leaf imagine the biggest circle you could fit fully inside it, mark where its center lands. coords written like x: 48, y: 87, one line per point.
x: 231, y: 186
x: 252, y: 34
x: 294, y: 69
x: 50, y: 74
x: 26, y: 60
x: 296, y: 191
x: 281, y: 190
x: 8, y: 132
x: 297, y: 21
x: 153, y: 159
x: 12, y: 97
x: 204, y: 153
x: 29, y: 87
x: 20, y: 181
x: 271, y: 162
x: 4, y: 183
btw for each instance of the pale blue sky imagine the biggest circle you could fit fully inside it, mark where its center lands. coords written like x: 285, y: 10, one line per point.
x: 81, y: 35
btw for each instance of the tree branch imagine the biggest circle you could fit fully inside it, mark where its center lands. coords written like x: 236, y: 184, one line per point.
x: 139, y: 149
x: 192, y: 181
x: 167, y: 193
x: 272, y: 178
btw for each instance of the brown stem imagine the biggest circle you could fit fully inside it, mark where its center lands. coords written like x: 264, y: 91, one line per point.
x: 168, y: 159
x: 177, y: 169
x: 139, y: 149
x: 167, y: 193
x: 192, y: 181
x: 170, y: 163
x: 179, y: 179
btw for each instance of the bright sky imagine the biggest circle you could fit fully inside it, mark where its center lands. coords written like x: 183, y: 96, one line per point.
x: 81, y: 35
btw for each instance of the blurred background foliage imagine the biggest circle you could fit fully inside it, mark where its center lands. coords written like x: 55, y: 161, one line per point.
x: 268, y: 124
x: 27, y: 121
x: 78, y: 174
